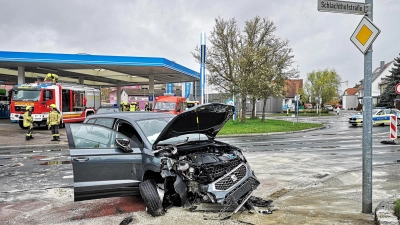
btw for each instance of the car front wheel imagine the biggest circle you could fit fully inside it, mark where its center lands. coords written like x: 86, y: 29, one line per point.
x: 149, y: 193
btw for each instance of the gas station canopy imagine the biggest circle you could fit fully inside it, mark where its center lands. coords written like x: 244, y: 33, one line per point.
x: 94, y: 70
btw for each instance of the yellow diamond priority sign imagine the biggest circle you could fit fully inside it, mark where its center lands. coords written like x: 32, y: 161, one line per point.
x: 365, y: 34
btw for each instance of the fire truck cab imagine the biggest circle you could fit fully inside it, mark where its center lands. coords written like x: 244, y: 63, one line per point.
x: 75, y: 102
x: 169, y: 104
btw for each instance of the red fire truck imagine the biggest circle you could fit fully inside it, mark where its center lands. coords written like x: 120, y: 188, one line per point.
x: 75, y: 102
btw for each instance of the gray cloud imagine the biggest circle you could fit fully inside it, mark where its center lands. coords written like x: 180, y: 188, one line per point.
x: 171, y: 29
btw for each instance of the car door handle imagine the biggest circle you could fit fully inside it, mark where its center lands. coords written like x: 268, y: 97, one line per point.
x: 81, y: 159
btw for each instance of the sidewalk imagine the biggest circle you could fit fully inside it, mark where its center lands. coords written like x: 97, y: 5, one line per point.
x: 13, y: 137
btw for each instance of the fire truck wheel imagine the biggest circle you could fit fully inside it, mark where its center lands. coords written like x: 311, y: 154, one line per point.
x: 21, y: 124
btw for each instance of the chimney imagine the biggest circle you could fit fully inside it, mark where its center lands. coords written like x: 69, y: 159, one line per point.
x: 382, y: 65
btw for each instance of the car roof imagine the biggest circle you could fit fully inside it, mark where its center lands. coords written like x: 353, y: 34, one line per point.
x: 107, y: 107
x: 133, y: 116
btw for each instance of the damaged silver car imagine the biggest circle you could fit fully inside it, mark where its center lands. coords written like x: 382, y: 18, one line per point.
x: 169, y: 160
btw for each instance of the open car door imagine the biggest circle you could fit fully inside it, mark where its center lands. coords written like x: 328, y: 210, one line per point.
x: 104, y: 163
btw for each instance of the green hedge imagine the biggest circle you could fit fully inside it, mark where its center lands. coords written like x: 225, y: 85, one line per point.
x: 397, y: 208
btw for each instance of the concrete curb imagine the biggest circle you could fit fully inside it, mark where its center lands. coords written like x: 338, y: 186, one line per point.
x: 272, y: 133
x: 384, y: 214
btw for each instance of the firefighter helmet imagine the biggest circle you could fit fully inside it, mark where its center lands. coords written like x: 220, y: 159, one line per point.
x: 53, y: 106
x: 28, y: 107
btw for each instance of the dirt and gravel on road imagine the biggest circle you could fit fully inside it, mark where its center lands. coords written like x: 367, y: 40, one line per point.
x: 306, y: 188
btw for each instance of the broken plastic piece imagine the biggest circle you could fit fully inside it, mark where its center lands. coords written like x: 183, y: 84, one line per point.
x: 265, y: 211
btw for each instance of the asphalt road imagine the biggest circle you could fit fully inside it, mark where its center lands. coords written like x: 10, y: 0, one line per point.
x: 37, y: 183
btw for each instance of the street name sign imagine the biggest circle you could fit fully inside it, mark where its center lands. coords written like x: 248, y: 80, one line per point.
x: 365, y: 34
x: 341, y: 7
x: 398, y: 89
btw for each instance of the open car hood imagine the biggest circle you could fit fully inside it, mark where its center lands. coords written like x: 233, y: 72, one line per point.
x: 206, y: 119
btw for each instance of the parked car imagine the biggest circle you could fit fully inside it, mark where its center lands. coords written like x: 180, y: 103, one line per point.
x: 379, y: 117
x: 168, y: 159
x: 107, y: 109
x: 329, y: 107
x: 308, y: 106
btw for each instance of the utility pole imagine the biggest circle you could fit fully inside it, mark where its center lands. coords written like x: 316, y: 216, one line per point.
x: 363, y: 37
x: 320, y: 102
x: 367, y: 125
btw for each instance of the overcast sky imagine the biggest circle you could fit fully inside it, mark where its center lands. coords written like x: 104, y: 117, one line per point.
x: 171, y: 29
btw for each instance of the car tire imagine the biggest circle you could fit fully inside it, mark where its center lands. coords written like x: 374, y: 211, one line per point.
x: 398, y: 122
x: 354, y: 125
x: 149, y: 193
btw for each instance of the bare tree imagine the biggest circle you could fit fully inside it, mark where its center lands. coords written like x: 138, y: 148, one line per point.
x: 269, y: 59
x: 249, y: 63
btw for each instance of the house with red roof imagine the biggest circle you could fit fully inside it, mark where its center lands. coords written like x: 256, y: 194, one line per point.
x: 350, y: 98
x: 291, y: 89
x: 378, y: 76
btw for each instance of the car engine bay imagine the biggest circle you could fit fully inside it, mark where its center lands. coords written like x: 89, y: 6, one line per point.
x: 210, y: 173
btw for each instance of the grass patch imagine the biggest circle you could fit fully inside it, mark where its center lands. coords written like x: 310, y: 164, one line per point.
x: 252, y: 126
x: 397, y: 208
x: 303, y: 114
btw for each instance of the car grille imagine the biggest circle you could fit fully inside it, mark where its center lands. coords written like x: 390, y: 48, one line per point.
x: 231, y: 179
x: 219, y: 169
x: 353, y: 120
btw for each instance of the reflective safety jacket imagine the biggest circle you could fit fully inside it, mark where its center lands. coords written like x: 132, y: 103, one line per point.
x: 28, y: 120
x: 54, y: 118
x: 132, y: 108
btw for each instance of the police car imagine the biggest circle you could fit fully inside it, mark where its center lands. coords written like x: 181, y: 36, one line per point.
x: 379, y: 117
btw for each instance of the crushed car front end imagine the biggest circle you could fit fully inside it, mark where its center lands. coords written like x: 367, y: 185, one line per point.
x: 216, y: 173
x: 195, y: 168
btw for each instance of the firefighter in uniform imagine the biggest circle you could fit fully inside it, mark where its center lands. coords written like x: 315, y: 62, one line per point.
x: 126, y: 106
x: 132, y: 107
x: 51, y: 77
x: 28, y: 122
x: 146, y: 106
x: 53, y: 121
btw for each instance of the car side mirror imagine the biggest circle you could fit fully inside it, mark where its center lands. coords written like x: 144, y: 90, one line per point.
x: 123, y: 144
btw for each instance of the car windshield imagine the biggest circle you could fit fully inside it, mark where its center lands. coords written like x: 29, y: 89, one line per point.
x: 153, y: 127
x: 375, y: 111
x: 165, y: 106
x: 26, y: 95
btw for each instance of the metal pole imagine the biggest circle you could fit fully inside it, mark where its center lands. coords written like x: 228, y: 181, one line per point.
x: 202, y: 65
x: 320, y: 102
x: 234, y: 104
x: 297, y: 102
x: 367, y: 126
